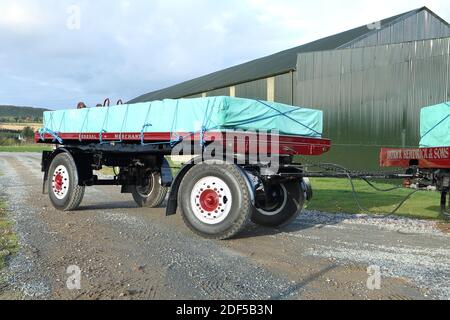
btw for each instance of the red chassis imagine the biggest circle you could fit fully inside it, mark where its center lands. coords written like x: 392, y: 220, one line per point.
x: 242, y: 143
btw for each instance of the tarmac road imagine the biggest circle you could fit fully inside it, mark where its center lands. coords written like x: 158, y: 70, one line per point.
x: 125, y: 252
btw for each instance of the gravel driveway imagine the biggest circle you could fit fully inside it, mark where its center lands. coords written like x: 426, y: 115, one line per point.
x: 125, y: 252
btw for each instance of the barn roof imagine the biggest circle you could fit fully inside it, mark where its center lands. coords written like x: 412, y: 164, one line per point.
x: 275, y: 64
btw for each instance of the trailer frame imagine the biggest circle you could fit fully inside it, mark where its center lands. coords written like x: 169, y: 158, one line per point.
x: 271, y: 199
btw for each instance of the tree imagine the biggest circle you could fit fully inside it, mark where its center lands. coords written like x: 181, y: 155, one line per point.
x: 27, y: 133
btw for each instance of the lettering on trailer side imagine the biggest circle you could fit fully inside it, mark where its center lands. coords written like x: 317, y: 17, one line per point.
x: 419, y: 154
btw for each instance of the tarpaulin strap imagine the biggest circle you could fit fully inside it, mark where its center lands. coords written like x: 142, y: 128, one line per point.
x: 62, y: 122
x: 148, y: 112
x: 145, y: 126
x: 173, y: 142
x: 438, y: 124
x: 178, y: 139
x: 44, y: 131
x: 265, y: 118
x: 206, y: 123
x: 125, y: 119
x: 288, y: 117
x: 203, y: 128
x: 51, y: 122
x: 105, y: 122
x: 101, y: 135
x: 202, y: 136
x: 84, y: 123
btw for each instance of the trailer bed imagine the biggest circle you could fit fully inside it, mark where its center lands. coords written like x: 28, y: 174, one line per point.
x: 241, y: 143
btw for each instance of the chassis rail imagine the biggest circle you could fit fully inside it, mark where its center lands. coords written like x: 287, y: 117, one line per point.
x: 239, y: 143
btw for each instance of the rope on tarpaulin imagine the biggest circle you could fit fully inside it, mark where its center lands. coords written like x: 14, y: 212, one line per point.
x: 208, y: 115
x: 438, y: 124
x: 206, y: 125
x: 43, y: 131
x: 288, y: 117
x: 173, y: 142
x: 84, y: 123
x: 105, y: 121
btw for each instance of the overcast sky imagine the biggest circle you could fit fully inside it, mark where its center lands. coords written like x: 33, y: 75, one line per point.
x: 54, y: 53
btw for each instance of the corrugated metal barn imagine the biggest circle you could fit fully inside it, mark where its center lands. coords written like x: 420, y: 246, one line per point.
x: 370, y: 81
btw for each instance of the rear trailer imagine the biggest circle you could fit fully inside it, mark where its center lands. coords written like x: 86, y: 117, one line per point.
x: 430, y: 163
x: 234, y: 176
x: 428, y: 167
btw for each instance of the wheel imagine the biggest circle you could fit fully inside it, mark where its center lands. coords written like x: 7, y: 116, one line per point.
x: 151, y: 195
x: 215, y: 200
x: 279, y: 205
x: 445, y: 205
x: 65, y: 193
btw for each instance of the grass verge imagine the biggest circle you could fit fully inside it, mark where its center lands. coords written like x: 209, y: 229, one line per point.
x: 8, y: 240
x: 26, y: 148
x: 335, y: 196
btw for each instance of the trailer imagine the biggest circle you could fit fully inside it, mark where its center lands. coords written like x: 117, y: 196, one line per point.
x: 217, y: 197
x: 428, y: 167
x: 245, y: 159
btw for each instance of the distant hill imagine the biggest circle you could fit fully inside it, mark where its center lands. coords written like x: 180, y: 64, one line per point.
x: 21, y: 113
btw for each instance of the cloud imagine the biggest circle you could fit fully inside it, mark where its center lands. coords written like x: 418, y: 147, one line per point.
x: 125, y: 48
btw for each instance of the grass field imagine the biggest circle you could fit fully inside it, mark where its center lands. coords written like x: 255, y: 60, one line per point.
x: 26, y: 148
x: 19, y: 126
x: 335, y: 195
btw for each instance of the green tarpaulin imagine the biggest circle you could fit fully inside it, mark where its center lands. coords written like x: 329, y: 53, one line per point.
x: 189, y: 115
x: 435, y: 126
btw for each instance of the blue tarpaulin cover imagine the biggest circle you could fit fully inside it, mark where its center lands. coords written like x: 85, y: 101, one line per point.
x: 435, y: 126
x: 189, y: 115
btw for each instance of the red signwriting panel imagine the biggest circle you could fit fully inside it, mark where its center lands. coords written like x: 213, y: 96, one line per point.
x: 437, y: 158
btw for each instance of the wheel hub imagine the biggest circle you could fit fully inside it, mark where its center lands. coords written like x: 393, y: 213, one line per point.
x: 211, y: 200
x: 146, y: 189
x: 60, y: 182
x: 273, y: 201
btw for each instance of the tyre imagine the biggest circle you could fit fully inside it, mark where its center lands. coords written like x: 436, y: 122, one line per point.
x: 151, y: 195
x: 215, y: 201
x: 280, y: 205
x: 65, y: 193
